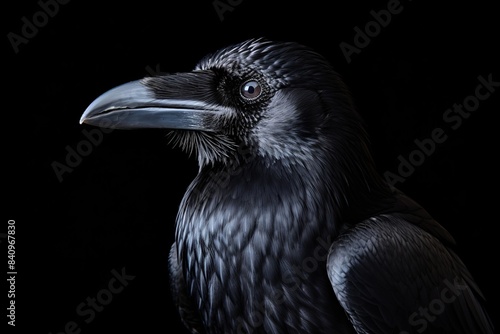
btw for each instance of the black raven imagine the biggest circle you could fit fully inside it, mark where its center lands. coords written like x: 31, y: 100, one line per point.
x: 288, y: 228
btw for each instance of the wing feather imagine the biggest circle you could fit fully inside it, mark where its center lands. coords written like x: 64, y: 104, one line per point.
x: 391, y: 276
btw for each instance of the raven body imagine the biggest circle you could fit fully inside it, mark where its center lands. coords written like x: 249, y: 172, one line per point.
x: 287, y: 228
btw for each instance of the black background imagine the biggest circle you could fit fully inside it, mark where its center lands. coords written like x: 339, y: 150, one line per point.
x: 117, y: 207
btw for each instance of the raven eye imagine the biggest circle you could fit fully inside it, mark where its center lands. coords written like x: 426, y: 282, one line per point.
x: 250, y: 90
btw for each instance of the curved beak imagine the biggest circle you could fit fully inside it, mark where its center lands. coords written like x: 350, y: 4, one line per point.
x: 177, y: 101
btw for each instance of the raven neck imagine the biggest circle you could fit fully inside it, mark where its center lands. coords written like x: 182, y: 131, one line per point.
x: 256, y: 195
x: 337, y: 196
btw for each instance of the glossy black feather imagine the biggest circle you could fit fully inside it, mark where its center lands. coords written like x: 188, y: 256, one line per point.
x: 392, y: 276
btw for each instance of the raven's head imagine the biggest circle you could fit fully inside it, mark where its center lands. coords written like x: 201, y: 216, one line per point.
x: 280, y: 103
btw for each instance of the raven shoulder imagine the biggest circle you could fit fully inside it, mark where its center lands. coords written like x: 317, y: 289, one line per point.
x: 393, y: 276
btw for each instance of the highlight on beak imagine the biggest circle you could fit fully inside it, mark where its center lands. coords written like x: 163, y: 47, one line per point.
x: 134, y: 106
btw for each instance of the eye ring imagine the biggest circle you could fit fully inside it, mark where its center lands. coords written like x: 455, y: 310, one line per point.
x: 250, y: 89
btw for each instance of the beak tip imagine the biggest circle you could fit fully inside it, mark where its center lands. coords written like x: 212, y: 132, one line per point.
x: 87, y: 114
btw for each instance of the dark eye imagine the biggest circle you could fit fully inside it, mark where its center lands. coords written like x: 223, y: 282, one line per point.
x: 250, y: 90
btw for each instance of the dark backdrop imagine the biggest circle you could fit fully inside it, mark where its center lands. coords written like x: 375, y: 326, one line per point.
x: 113, y: 210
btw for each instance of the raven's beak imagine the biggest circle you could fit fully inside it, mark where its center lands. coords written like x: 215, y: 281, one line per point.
x: 172, y: 101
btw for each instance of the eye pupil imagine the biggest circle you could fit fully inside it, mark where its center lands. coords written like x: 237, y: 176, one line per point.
x: 250, y: 90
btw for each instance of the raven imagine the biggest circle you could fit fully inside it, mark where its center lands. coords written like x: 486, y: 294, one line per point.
x: 288, y: 228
